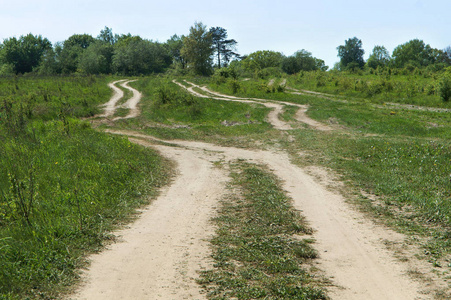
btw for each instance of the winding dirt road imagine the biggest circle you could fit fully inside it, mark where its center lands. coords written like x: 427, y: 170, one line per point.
x: 132, y: 104
x: 159, y: 255
x: 273, y: 116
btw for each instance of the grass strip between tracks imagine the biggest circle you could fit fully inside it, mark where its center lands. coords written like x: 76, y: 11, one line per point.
x: 257, y: 249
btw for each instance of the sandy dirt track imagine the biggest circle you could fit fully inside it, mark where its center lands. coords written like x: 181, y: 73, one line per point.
x: 161, y: 252
x: 110, y: 106
x: 159, y: 255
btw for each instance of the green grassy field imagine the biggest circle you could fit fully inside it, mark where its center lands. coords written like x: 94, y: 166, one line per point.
x: 377, y: 86
x: 171, y: 113
x: 401, y: 155
x: 63, y: 185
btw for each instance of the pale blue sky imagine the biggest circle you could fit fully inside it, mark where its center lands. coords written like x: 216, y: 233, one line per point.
x: 318, y: 26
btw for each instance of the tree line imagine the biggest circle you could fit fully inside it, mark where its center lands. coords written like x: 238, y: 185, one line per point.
x: 201, y: 52
x: 412, y: 54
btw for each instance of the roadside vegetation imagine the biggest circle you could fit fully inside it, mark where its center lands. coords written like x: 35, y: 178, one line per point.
x: 258, y: 250
x: 417, y: 86
x: 400, y: 156
x: 63, y: 185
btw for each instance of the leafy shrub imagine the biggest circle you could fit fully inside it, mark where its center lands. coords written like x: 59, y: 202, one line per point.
x: 221, y: 75
x: 374, y: 88
x: 166, y: 96
x: 234, y: 85
x: 444, y: 88
x: 268, y: 72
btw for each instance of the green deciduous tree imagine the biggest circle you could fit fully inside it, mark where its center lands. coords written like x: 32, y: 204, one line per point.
x: 106, y: 35
x: 97, y: 58
x: 137, y: 56
x: 263, y: 59
x: 197, y: 49
x: 223, y: 47
x: 302, y: 60
x: 351, y: 54
x: 24, y: 53
x: 447, y: 52
x: 71, y: 51
x: 380, y: 57
x: 414, y: 52
x: 49, y: 63
x: 174, y: 45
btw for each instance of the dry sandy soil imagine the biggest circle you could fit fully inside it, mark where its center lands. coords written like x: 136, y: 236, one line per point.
x: 159, y: 255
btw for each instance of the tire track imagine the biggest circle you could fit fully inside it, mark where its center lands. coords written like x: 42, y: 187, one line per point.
x: 132, y: 104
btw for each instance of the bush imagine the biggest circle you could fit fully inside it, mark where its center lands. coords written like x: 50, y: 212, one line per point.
x: 166, y: 96
x: 269, y: 72
x: 221, y: 75
x: 444, y: 88
x: 234, y: 85
x: 7, y: 69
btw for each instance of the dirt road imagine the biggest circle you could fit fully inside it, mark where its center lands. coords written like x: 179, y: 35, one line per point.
x: 277, y: 107
x: 161, y: 252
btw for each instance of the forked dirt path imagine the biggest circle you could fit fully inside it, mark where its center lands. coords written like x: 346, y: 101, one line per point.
x: 161, y: 252
x: 132, y: 103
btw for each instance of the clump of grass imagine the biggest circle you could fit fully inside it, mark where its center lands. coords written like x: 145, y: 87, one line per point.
x: 255, y: 250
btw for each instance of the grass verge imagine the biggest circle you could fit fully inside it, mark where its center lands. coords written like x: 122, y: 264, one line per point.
x: 63, y: 188
x: 257, y: 250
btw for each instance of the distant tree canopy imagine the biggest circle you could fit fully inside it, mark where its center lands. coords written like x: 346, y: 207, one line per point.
x: 25, y: 53
x: 302, y: 60
x: 198, y: 52
x: 174, y: 45
x: 106, y: 35
x: 71, y: 50
x: 97, y: 58
x: 263, y: 59
x: 140, y: 57
x: 351, y: 54
x: 414, y: 52
x: 380, y: 57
